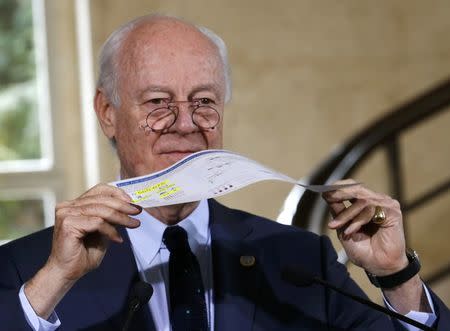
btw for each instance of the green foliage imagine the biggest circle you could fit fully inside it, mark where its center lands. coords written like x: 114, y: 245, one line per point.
x: 19, y: 137
x: 16, y: 42
x: 20, y: 217
x: 19, y: 129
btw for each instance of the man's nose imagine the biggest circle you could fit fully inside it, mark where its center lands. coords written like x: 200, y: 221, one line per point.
x: 184, y: 123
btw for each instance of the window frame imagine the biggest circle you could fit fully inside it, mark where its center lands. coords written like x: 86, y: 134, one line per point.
x: 46, y: 162
x: 45, y: 194
x: 34, y: 179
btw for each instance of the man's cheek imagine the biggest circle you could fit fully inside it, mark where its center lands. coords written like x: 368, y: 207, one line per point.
x: 215, y: 140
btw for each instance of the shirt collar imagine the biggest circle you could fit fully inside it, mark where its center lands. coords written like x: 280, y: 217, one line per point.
x: 146, y: 240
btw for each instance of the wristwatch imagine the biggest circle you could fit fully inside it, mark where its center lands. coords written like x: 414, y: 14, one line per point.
x: 399, y: 277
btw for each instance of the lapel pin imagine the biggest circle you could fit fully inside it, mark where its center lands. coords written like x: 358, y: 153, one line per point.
x: 247, y: 260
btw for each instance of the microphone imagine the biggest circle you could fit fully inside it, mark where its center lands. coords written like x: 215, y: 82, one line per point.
x: 300, y: 277
x: 139, y: 295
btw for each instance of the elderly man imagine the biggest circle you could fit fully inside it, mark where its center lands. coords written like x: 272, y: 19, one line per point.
x: 161, y: 93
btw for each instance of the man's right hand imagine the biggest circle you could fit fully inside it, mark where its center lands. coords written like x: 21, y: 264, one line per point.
x: 83, y: 230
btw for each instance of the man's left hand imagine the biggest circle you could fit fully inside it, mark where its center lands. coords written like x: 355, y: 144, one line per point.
x: 378, y: 248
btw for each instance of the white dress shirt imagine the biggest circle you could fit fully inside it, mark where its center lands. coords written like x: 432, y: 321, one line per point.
x: 152, y: 259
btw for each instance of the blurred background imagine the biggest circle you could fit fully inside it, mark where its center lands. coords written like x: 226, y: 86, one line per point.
x: 307, y: 77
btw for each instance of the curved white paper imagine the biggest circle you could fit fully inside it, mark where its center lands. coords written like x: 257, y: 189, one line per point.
x: 203, y: 175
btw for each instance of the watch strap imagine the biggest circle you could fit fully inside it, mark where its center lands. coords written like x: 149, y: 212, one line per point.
x: 399, y: 277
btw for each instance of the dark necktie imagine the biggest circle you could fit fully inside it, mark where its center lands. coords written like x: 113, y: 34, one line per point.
x: 187, y: 295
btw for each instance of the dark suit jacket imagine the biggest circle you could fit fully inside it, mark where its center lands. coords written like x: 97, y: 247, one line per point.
x: 246, y: 298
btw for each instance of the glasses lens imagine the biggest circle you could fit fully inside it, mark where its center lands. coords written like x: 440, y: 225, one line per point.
x: 161, y: 119
x: 206, y: 117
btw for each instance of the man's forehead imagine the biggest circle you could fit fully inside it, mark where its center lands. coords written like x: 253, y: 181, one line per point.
x: 167, y: 36
x: 170, y: 52
x: 161, y: 71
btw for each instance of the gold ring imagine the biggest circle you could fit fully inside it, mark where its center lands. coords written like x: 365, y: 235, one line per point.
x: 379, y: 217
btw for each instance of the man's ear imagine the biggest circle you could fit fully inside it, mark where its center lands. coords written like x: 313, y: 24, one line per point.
x: 106, y: 113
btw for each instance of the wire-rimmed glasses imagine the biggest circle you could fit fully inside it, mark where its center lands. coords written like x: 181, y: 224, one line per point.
x: 164, y: 113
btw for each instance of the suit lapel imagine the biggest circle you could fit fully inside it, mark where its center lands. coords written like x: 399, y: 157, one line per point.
x: 114, y: 279
x: 236, y: 283
x: 236, y: 277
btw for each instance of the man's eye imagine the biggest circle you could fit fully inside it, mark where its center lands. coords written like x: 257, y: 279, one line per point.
x: 205, y: 101
x: 158, y: 101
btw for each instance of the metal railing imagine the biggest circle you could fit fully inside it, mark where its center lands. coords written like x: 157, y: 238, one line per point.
x: 310, y: 211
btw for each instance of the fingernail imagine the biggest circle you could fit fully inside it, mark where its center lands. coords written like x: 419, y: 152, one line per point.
x: 137, y: 207
x: 133, y: 223
x: 332, y: 223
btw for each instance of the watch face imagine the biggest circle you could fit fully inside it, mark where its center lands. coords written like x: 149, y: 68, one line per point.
x: 411, y: 253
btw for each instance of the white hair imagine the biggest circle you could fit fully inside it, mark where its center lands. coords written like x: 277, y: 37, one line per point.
x: 108, y: 65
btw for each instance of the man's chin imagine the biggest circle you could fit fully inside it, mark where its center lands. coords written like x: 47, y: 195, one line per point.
x: 174, y: 157
x: 157, y: 163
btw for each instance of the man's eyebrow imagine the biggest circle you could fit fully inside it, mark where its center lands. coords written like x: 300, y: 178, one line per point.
x: 154, y: 88
x: 205, y: 87
x: 199, y: 88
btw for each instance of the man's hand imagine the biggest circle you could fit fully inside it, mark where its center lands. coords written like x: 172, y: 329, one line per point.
x: 83, y: 230
x: 379, y: 249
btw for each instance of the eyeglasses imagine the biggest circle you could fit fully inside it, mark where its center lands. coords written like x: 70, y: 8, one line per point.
x: 164, y: 113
